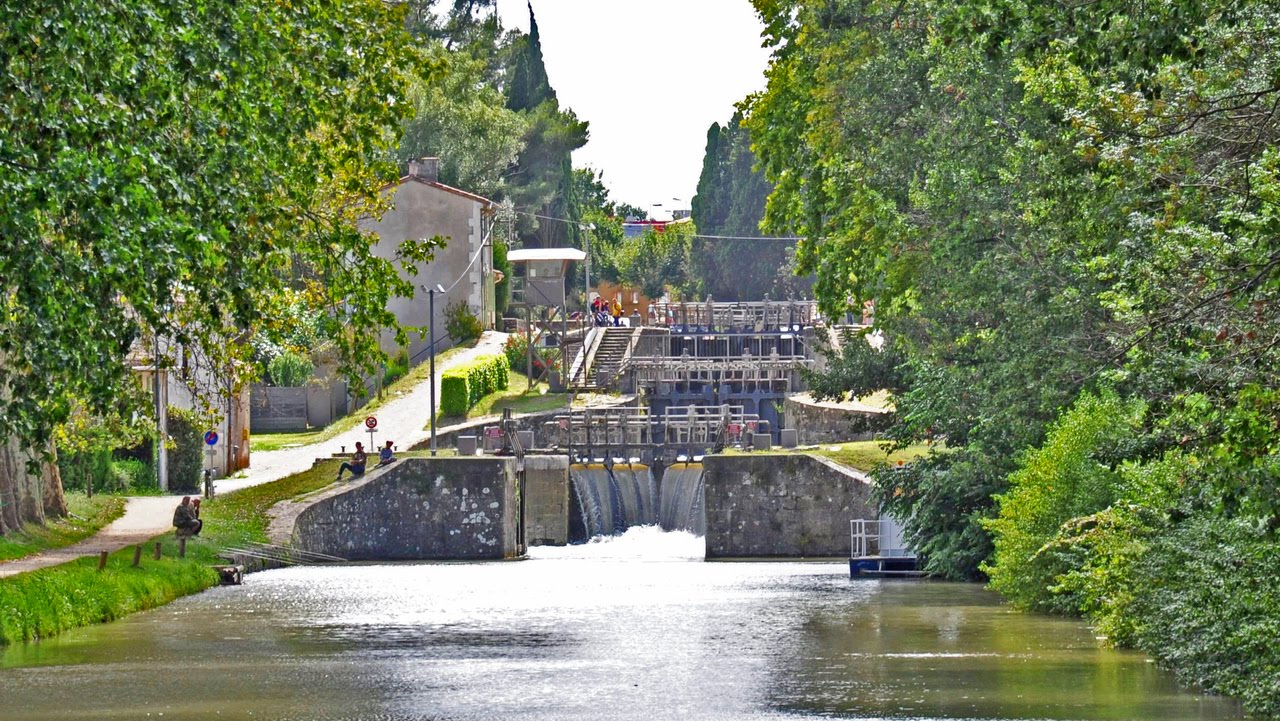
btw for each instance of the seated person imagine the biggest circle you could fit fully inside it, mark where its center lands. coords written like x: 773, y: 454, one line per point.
x: 358, y: 460
x: 385, y: 455
x: 186, y: 517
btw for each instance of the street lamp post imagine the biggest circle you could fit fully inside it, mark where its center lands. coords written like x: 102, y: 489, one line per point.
x: 431, y: 348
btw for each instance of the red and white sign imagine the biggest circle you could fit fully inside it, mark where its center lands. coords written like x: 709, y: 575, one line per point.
x: 493, y: 432
x: 371, y: 422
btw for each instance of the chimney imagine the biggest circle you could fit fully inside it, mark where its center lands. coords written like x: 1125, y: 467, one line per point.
x: 427, y: 169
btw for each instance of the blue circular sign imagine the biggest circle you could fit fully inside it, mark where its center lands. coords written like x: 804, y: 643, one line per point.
x: 211, y: 438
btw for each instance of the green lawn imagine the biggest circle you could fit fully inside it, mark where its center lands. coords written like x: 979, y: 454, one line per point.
x: 866, y: 455
x: 291, y: 439
x: 86, y: 517
x: 515, y: 397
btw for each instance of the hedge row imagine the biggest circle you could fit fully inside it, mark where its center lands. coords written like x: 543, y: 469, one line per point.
x: 462, y: 387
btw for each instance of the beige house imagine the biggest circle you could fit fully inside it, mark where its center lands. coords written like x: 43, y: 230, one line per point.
x: 423, y: 208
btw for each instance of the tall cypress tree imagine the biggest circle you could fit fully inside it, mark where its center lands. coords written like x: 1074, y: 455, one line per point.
x: 541, y: 179
x: 730, y: 202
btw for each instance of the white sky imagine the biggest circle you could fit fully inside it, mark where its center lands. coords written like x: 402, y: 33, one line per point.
x: 650, y: 77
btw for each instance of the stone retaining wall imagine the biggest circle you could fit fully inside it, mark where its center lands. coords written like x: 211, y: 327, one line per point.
x: 817, y: 424
x: 416, y: 509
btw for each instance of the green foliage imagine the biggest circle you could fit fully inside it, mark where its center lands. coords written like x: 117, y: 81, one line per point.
x: 502, y: 290
x: 1072, y: 475
x: 186, y: 454
x: 217, y: 153
x: 459, y: 117
x: 396, y: 368
x: 1045, y: 200
x: 542, y: 176
x: 658, y: 259
x: 134, y: 476
x: 461, y: 324
x: 289, y: 369
x: 89, y: 471
x: 1210, y: 608
x: 463, y: 386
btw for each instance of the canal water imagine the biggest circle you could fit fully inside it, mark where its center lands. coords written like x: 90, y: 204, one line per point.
x: 633, y: 627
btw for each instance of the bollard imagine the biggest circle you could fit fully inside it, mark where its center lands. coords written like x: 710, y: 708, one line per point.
x: 157, y: 552
x: 182, y: 547
x: 137, y: 556
x: 102, y: 560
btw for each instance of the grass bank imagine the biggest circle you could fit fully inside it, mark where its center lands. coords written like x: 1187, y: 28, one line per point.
x: 86, y: 516
x: 49, y: 601
x: 866, y: 455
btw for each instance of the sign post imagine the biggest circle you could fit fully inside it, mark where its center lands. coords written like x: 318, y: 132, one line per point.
x: 210, y: 441
x: 371, y: 423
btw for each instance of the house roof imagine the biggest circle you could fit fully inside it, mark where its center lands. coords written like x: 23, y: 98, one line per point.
x: 446, y: 188
x: 518, y: 256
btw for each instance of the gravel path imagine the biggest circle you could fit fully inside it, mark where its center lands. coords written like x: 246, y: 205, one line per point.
x: 145, y: 517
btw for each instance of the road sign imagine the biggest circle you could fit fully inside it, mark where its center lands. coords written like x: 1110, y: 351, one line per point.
x: 211, y: 438
x: 371, y: 422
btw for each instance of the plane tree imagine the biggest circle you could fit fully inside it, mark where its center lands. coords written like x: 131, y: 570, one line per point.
x: 169, y: 168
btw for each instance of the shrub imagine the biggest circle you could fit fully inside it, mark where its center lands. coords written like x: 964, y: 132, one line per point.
x: 186, y: 457
x: 1071, y: 475
x: 289, y: 369
x: 1209, y: 607
x: 501, y: 291
x: 516, y: 350
x: 462, y: 387
x: 396, y: 368
x: 461, y: 324
x: 89, y: 471
x: 134, y: 475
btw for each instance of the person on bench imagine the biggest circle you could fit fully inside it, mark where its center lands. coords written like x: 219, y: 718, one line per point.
x: 358, y: 461
x: 186, y: 518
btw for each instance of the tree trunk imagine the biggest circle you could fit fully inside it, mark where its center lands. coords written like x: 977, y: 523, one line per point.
x: 27, y: 497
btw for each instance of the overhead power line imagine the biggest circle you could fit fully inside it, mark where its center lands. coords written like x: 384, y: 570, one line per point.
x: 788, y: 238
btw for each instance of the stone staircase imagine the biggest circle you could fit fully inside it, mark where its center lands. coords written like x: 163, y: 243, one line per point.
x: 604, y: 358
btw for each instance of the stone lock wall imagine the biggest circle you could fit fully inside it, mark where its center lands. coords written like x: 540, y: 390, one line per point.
x: 781, y: 505
x: 419, y: 509
x: 825, y: 423
x: 546, y: 505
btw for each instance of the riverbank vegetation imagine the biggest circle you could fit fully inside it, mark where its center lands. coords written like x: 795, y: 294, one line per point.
x: 1066, y: 218
x: 43, y: 603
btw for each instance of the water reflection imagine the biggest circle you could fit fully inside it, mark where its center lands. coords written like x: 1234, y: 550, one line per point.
x: 635, y: 627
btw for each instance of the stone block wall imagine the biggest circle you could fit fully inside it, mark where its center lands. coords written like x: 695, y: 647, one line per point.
x: 419, y: 509
x: 546, y: 505
x: 781, y: 505
x: 819, y: 423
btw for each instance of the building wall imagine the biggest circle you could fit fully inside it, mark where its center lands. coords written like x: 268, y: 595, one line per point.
x: 781, y: 505
x: 423, y: 211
